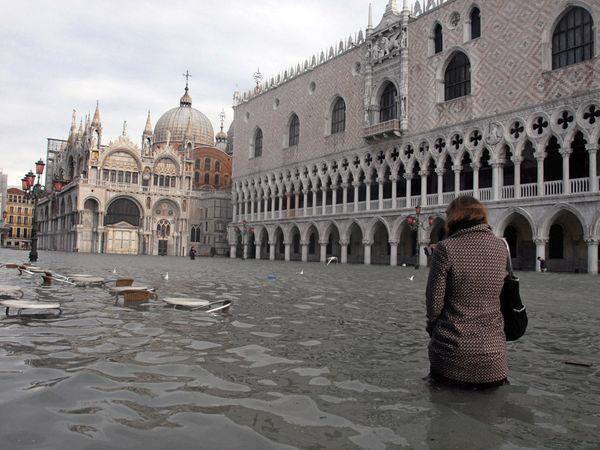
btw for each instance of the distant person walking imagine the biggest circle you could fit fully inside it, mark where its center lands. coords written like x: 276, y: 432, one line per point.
x: 543, y: 267
x: 468, y: 344
x: 193, y: 253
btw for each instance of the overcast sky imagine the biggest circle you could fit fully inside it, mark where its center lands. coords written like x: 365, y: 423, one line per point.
x: 60, y: 55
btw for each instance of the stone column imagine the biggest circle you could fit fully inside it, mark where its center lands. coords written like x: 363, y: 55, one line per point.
x: 257, y: 250
x: 344, y: 255
x: 272, y: 251
x: 540, y: 176
x: 288, y: 203
x: 235, y: 205
x: 592, y: 244
x: 297, y: 201
x: 367, y: 245
x: 408, y: 177
x: 334, y: 199
x: 356, y: 184
x: 368, y: 196
x: 393, y: 253
x: 380, y: 197
x: 324, y: 200
x: 540, y: 252
x: 323, y: 251
x: 232, y: 251
x: 252, y: 208
x: 280, y: 212
x: 305, y: 212
x: 566, y: 181
x: 475, y: 180
x: 457, y: 171
x: 259, y: 210
x: 440, y: 186
x: 345, y: 198
x: 273, y: 197
x: 394, y: 180
x: 424, y: 174
x: 288, y: 251
x: 304, y: 247
x: 517, y: 166
x: 314, y: 205
x: 496, y: 181
x: 593, y: 172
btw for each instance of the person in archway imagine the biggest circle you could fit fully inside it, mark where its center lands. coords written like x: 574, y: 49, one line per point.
x: 543, y: 266
x: 468, y: 345
x: 193, y: 253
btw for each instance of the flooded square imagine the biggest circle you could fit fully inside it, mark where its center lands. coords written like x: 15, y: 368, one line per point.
x: 334, y: 357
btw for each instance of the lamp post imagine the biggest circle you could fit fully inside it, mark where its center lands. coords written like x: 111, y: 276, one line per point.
x: 415, y: 223
x: 33, y: 191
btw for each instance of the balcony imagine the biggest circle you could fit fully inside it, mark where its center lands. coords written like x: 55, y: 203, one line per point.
x: 383, y: 130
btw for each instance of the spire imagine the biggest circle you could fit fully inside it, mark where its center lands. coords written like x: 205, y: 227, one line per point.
x: 405, y: 6
x: 96, y: 120
x: 222, y: 118
x: 186, y: 99
x: 391, y: 6
x: 370, y: 23
x: 87, y: 122
x: 148, y: 129
x: 73, y: 132
x: 124, y: 128
x: 80, y: 130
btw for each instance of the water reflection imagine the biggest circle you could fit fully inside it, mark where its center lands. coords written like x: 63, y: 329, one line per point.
x: 333, y: 358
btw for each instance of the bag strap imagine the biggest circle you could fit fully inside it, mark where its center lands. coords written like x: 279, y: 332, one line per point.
x: 509, y: 262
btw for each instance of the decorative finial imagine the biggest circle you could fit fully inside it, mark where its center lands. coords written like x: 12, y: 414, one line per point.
x: 258, y: 78
x: 391, y: 6
x: 222, y: 118
x: 187, y: 76
x: 370, y: 23
x: 96, y: 119
x: 148, y: 128
x: 124, y: 128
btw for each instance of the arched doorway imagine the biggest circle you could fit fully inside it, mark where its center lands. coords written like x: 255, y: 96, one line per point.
x: 264, y: 244
x: 295, y: 251
x: 122, y: 221
x: 380, y: 249
x: 566, y: 250
x: 279, y: 245
x: 167, y: 238
x: 251, y: 245
x: 356, y: 251
x: 313, y: 244
x: 519, y: 235
x: 333, y: 243
x: 89, y: 242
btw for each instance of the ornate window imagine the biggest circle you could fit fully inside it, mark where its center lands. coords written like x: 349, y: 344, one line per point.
x: 438, y: 39
x: 475, y: 23
x: 207, y: 164
x: 457, y: 79
x: 206, y: 178
x: 294, y: 131
x: 388, y: 108
x: 338, y: 116
x: 258, y: 143
x: 217, y: 166
x: 197, y: 164
x: 197, y: 178
x: 573, y: 38
x: 217, y: 180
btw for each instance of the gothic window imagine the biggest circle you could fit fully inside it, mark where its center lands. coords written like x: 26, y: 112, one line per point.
x: 388, y: 110
x: 197, y: 178
x: 438, y: 39
x: 556, y: 245
x: 217, y: 166
x: 338, y: 117
x: 475, y: 23
x: 207, y: 164
x: 258, y: 143
x: 197, y: 164
x: 206, y: 178
x: 294, y: 131
x: 573, y: 38
x: 217, y: 180
x: 457, y: 79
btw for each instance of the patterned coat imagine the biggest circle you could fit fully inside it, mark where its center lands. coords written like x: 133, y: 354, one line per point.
x: 463, y: 307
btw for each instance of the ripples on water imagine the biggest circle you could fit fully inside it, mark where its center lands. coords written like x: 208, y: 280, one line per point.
x: 334, y: 358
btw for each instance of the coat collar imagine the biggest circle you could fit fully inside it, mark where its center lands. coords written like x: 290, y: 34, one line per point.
x: 483, y: 227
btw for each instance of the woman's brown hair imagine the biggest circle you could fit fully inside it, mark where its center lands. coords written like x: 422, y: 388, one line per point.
x: 465, y: 212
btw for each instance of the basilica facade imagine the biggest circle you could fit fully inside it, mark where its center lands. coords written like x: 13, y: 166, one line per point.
x: 160, y: 198
x: 357, y: 151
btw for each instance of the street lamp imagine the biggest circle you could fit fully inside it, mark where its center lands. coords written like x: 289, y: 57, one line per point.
x: 415, y: 223
x: 33, y: 191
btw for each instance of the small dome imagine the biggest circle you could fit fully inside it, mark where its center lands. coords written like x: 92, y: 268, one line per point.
x: 176, y: 122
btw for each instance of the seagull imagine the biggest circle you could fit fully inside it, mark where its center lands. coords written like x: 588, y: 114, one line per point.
x: 332, y: 259
x: 412, y: 278
x: 166, y: 276
x: 301, y: 272
x: 115, y: 270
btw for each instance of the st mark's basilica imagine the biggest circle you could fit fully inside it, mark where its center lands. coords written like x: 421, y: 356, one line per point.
x: 160, y: 198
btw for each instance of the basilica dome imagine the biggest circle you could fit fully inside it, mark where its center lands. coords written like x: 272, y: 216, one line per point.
x: 178, y: 120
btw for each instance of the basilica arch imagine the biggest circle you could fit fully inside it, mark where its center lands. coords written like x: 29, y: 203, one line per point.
x: 122, y: 224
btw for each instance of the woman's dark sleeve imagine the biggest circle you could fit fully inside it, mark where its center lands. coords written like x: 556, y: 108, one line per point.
x: 436, y: 286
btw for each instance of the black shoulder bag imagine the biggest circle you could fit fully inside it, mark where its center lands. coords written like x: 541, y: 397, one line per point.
x: 513, y: 310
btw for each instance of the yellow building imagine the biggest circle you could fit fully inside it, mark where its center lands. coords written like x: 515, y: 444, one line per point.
x: 19, y: 215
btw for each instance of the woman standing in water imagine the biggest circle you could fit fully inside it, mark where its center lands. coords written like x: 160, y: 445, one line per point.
x: 468, y: 345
